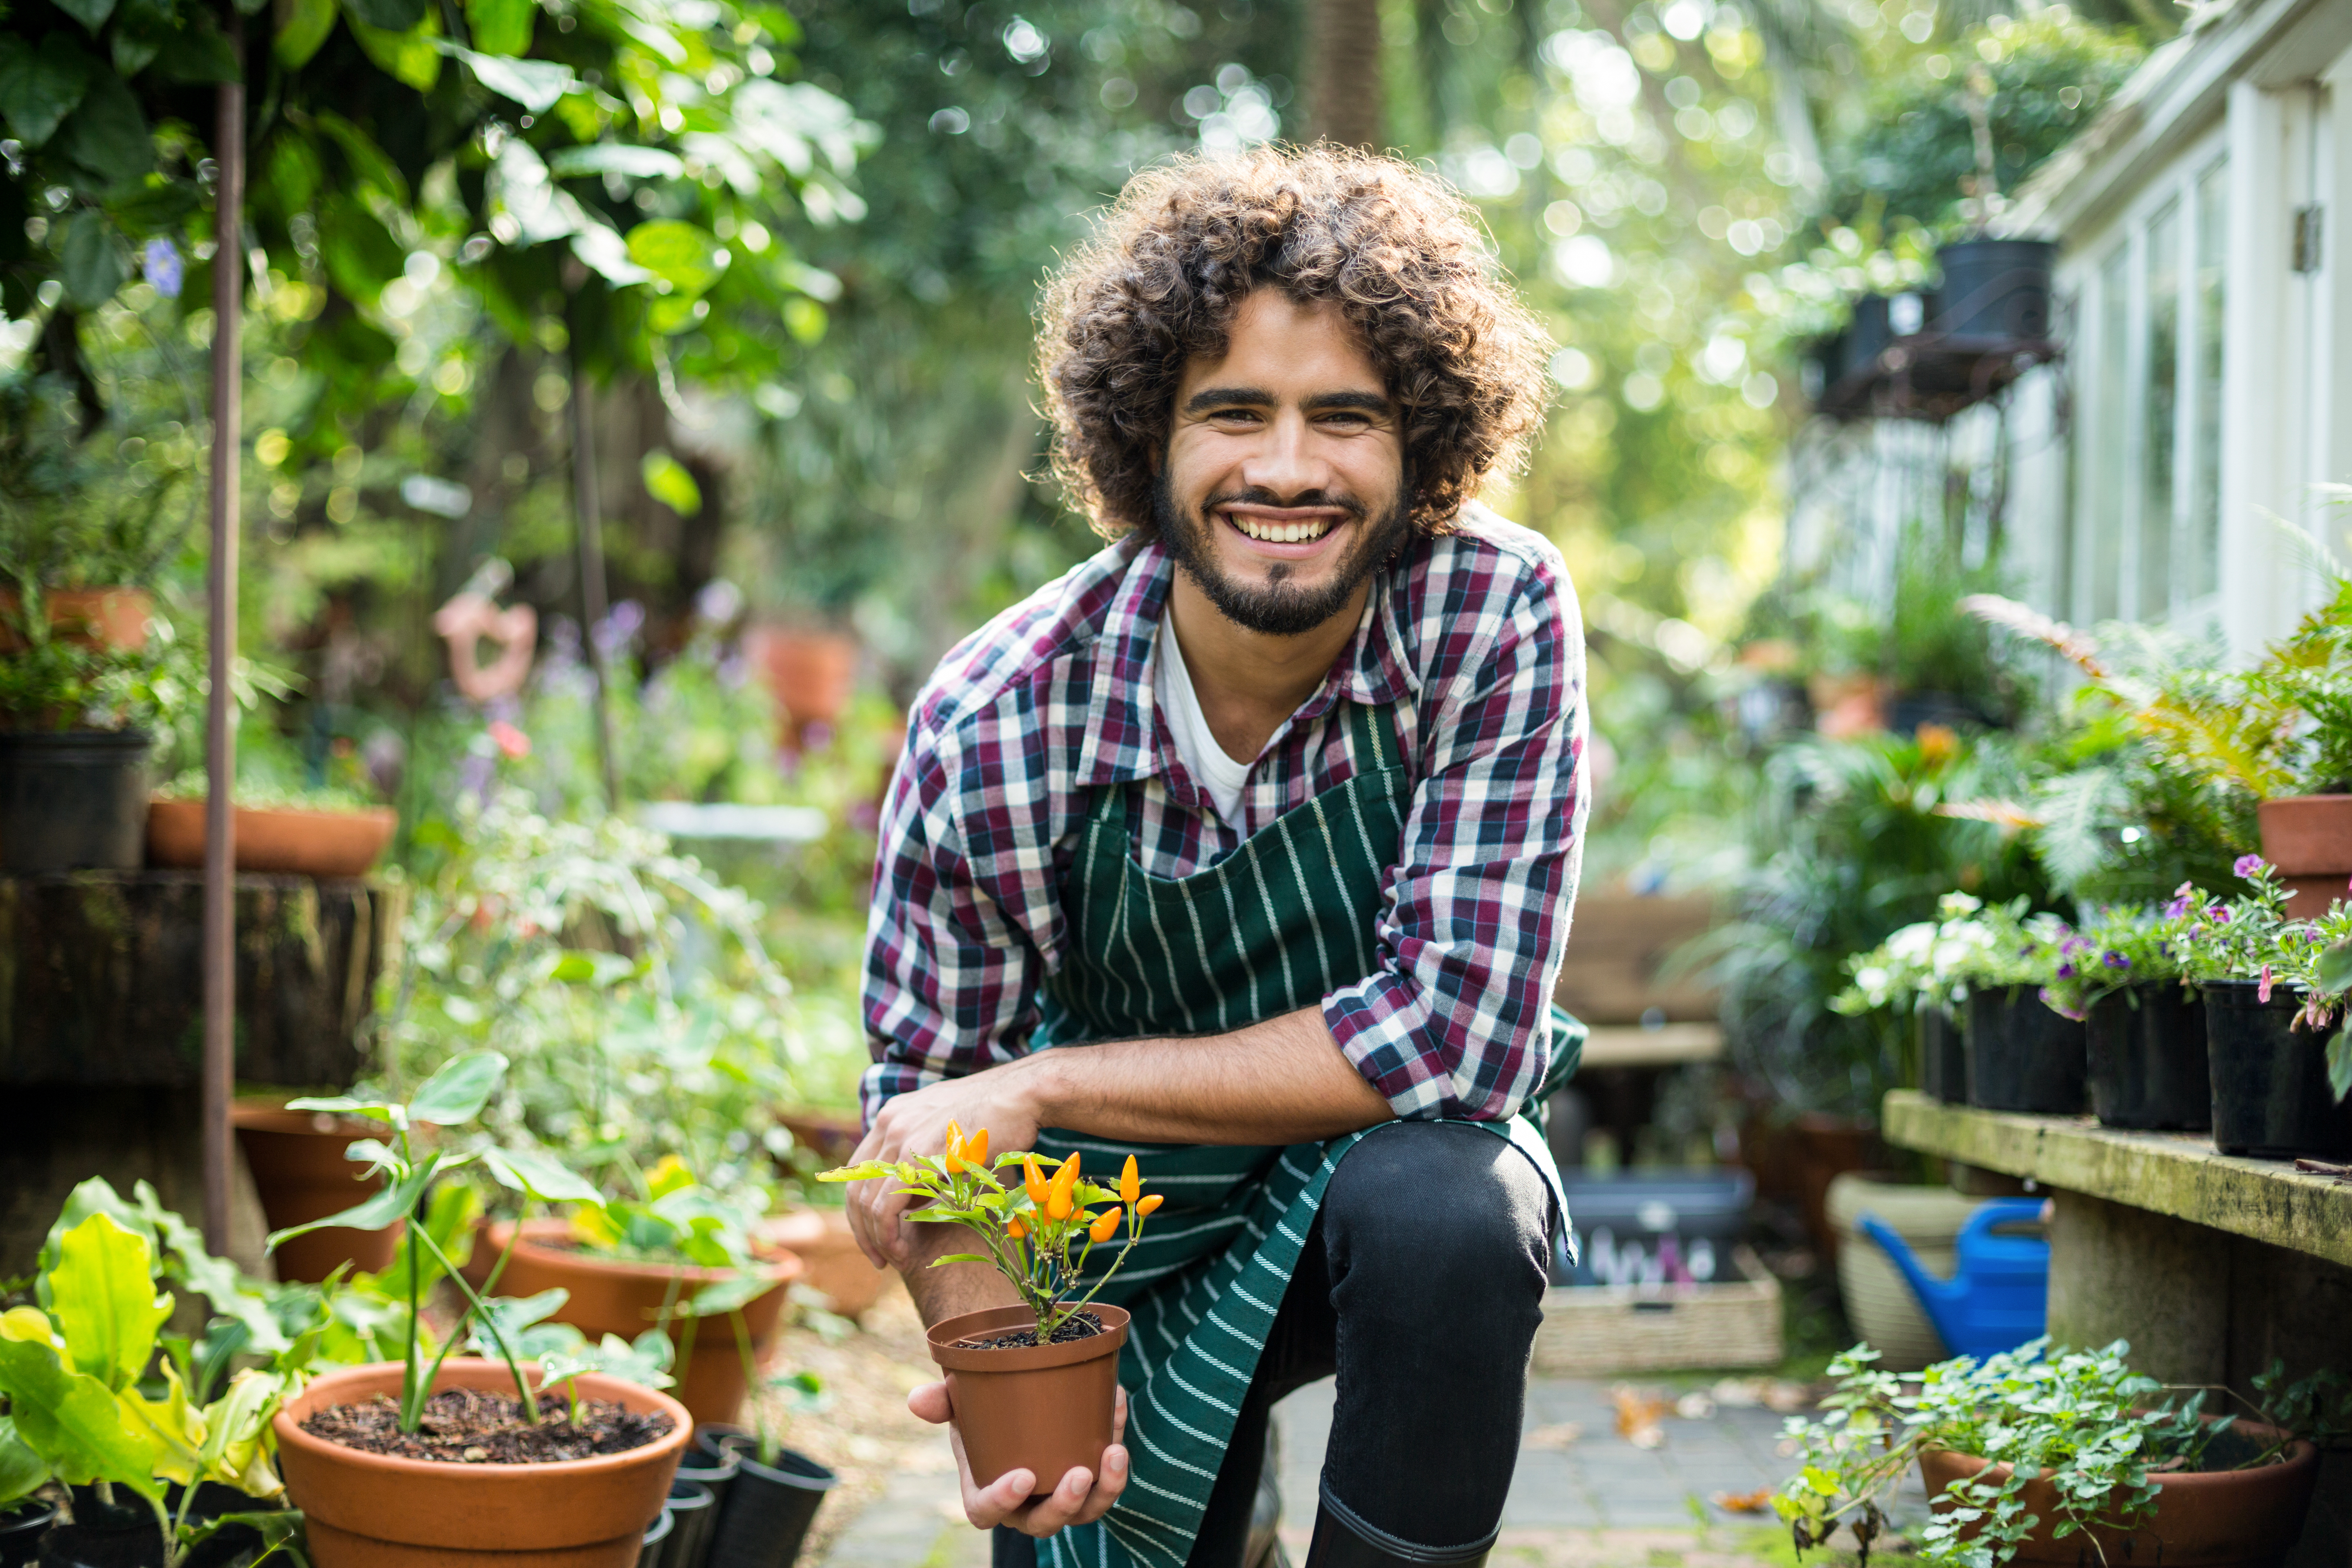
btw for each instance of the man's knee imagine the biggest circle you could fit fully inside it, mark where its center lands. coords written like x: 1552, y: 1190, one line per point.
x: 1438, y: 1208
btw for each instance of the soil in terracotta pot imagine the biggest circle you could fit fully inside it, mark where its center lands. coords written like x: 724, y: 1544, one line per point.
x: 1070, y: 1331
x: 475, y: 1427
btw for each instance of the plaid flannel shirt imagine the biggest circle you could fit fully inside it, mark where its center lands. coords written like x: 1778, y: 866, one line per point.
x: 1474, y: 635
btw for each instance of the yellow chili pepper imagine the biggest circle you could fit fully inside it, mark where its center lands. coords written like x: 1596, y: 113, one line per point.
x: 975, y: 1148
x: 1034, y: 1179
x: 1106, y: 1224
x: 955, y: 1150
x: 1057, y: 1192
x: 1015, y: 1228
x: 1129, y: 1183
x: 1143, y: 1210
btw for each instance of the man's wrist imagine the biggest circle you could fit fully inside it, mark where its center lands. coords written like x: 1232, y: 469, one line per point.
x: 1039, y: 1085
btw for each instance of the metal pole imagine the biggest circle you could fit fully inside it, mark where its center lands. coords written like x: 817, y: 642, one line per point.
x: 593, y: 608
x: 220, y: 706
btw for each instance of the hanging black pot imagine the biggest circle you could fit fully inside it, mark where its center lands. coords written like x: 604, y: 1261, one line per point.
x: 2022, y: 1055
x: 2271, y: 1098
x: 21, y: 1528
x: 768, y: 1509
x: 73, y: 800
x: 2147, y: 1052
x: 1943, y: 1057
x: 655, y: 1552
x: 1995, y: 290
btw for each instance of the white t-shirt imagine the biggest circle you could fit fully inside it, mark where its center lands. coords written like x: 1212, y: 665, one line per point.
x: 1172, y: 687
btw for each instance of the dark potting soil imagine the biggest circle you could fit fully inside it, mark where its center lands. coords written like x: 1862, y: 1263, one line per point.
x: 1080, y: 1326
x: 475, y: 1427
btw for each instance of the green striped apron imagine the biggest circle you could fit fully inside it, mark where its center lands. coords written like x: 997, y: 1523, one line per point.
x: 1286, y: 918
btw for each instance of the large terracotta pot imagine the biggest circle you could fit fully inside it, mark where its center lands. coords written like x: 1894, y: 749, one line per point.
x: 342, y: 844
x: 2309, y: 839
x: 297, y: 1165
x: 2218, y: 1519
x: 86, y: 617
x: 372, y: 1510
x: 833, y: 1265
x: 614, y: 1296
x: 831, y: 1136
x: 811, y: 672
x: 1046, y: 1409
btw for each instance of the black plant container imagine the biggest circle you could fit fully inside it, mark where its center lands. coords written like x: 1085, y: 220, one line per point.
x: 690, y: 1548
x: 693, y: 1513
x: 21, y: 1530
x: 72, y: 800
x: 2271, y: 1098
x: 768, y: 1509
x: 655, y: 1552
x: 1943, y: 1057
x: 2023, y: 1056
x: 1995, y: 290
x: 103, y: 1535
x: 2148, y: 1067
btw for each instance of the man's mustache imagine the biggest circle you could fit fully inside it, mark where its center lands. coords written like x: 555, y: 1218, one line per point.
x: 1257, y: 496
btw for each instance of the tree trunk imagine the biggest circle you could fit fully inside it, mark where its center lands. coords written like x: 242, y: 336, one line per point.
x: 1343, y: 61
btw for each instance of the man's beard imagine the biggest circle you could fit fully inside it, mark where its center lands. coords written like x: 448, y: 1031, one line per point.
x: 1275, y: 607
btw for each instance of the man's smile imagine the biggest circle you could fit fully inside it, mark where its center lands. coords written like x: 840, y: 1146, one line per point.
x: 1290, y: 533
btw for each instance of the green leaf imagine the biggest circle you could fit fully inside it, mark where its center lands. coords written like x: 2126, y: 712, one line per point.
x: 616, y: 158
x: 607, y: 254
x: 389, y: 16
x: 534, y: 84
x: 360, y: 254
x: 458, y: 1091
x: 669, y: 482
x: 540, y: 1175
x: 21, y: 1469
x: 344, y: 1105
x: 2339, y: 1063
x: 90, y: 13
x: 393, y: 1202
x: 202, y: 53
x: 677, y: 253
x: 107, y: 135
x: 502, y: 27
x: 959, y: 1258
x: 641, y: 1364
x: 369, y: 162
x: 214, y: 1278
x: 73, y: 1422
x: 38, y: 89
x: 104, y: 1298
x: 2335, y: 973
x: 408, y: 57
x: 92, y: 1196
x: 306, y: 26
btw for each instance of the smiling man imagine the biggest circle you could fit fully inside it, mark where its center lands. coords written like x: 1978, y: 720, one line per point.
x: 1248, y: 848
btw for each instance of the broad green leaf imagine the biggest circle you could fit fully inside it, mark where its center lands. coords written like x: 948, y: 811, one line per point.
x: 511, y: 1317
x: 31, y: 1325
x: 608, y: 254
x: 95, y: 1195
x: 502, y: 27
x: 722, y: 1296
x: 2334, y: 974
x: 616, y: 158
x: 616, y: 1357
x: 540, y: 1175
x: 369, y: 162
x: 393, y: 1202
x: 409, y: 56
x: 389, y: 16
x: 360, y: 254
x: 200, y: 53
x: 534, y: 84
x: 668, y: 482
x: 672, y: 313
x: 457, y: 1093
x: 2339, y: 1062
x: 94, y: 267
x: 104, y: 1300
x: 305, y: 27
x: 668, y: 1176
x: 39, y: 89
x: 73, y: 1422
x: 90, y: 13
x: 679, y: 253
x: 173, y: 1424
x: 107, y: 135
x: 344, y: 1105
x: 21, y: 1469
x: 216, y: 1278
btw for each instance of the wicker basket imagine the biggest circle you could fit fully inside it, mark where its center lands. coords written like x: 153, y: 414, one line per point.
x: 1599, y: 1332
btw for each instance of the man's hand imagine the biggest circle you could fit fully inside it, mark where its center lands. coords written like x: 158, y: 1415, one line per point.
x: 916, y: 1123
x: 1081, y: 1498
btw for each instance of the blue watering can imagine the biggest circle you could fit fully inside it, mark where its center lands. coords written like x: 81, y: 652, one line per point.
x: 1999, y: 1296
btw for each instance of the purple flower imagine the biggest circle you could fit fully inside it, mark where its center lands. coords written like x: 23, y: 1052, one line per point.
x: 2065, y: 971
x: 2263, y: 990
x: 2180, y: 904
x: 2115, y: 961
x: 2074, y: 944
x: 161, y: 262
x: 2247, y: 864
x: 2219, y: 915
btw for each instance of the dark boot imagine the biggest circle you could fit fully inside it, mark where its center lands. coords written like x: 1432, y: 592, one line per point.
x: 1344, y: 1540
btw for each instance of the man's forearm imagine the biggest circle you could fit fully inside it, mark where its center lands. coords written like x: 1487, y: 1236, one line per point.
x: 957, y: 1288
x: 1285, y: 1081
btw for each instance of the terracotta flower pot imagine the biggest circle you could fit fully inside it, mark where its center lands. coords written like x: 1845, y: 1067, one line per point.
x: 811, y: 673
x: 342, y: 844
x: 829, y: 1135
x: 1046, y: 1409
x: 374, y: 1510
x: 298, y: 1164
x: 2309, y: 839
x: 614, y: 1296
x: 831, y: 1263
x: 86, y: 617
x: 2216, y: 1519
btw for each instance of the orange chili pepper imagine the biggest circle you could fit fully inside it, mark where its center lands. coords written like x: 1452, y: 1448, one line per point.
x: 1129, y: 1183
x: 1143, y: 1209
x: 1034, y: 1179
x: 1058, y: 1202
x: 1015, y: 1228
x: 954, y: 1150
x: 975, y: 1148
x: 1106, y: 1224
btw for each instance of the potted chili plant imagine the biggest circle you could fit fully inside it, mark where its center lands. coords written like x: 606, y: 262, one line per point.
x: 1033, y: 1386
x: 509, y: 1466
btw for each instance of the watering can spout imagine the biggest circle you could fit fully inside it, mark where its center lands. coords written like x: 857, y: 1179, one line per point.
x: 1934, y: 1294
x: 1996, y: 1298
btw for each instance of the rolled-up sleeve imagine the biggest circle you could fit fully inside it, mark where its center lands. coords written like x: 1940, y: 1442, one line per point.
x: 1456, y: 1021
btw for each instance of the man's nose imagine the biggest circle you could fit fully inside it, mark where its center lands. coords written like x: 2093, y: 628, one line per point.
x: 1285, y: 465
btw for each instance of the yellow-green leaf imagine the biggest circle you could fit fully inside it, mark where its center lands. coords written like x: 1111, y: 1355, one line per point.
x: 103, y: 1295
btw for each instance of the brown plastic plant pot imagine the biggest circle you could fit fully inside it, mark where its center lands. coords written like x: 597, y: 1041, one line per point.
x: 374, y: 1511
x: 271, y: 840
x: 1046, y: 1409
x: 2213, y: 1519
x: 297, y: 1165
x: 617, y: 1296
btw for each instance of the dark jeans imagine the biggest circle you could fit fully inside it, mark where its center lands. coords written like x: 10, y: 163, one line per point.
x: 1420, y: 1286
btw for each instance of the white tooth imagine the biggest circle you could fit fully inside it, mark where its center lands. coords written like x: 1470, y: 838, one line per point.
x: 1293, y: 534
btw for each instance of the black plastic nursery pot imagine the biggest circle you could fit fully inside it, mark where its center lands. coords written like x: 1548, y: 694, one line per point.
x: 768, y: 1509
x: 1943, y: 1057
x: 693, y: 1512
x: 103, y: 1535
x: 2271, y: 1098
x: 655, y: 1552
x: 714, y: 1473
x: 2147, y: 1058
x: 2023, y: 1056
x: 73, y: 800
x: 21, y: 1528
x: 1995, y: 288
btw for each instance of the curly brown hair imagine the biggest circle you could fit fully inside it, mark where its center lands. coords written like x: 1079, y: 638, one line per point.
x: 1402, y: 256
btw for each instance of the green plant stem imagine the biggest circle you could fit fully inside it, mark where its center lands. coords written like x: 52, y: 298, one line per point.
x: 768, y: 1444
x: 489, y: 1287
x: 412, y: 1398
x: 498, y: 1336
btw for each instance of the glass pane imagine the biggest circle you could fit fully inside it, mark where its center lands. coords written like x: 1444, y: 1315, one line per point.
x: 2105, y: 483
x: 2200, y: 569
x: 2159, y: 443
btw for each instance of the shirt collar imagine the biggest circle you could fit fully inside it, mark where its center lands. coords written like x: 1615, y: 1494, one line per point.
x: 1122, y: 739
